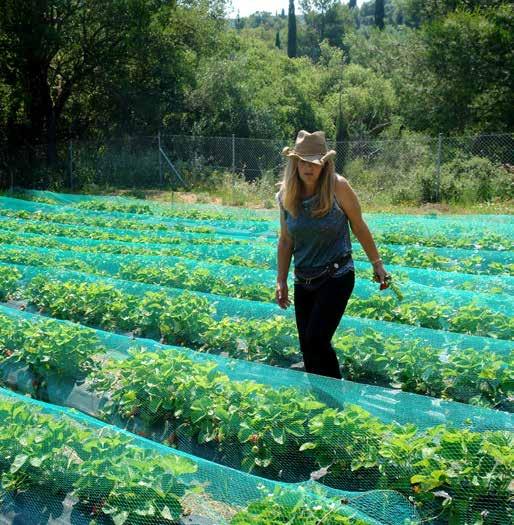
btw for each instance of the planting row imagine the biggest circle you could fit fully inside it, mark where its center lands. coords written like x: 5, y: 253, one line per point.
x: 89, y: 232
x: 189, y: 212
x: 398, y: 233
x: 416, y: 309
x: 474, y: 376
x: 485, y: 285
x: 118, y: 480
x: 100, y: 222
x: 258, y: 256
x: 285, y: 433
x: 403, y: 235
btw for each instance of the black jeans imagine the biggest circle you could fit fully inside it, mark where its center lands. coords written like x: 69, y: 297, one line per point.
x: 318, y: 314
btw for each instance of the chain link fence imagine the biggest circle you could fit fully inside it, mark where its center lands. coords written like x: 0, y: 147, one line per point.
x: 413, y: 167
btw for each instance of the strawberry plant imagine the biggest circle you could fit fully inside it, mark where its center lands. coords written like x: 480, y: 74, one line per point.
x: 283, y: 506
x: 94, y: 304
x: 50, y: 346
x: 474, y: 319
x: 189, y: 320
x: 8, y: 279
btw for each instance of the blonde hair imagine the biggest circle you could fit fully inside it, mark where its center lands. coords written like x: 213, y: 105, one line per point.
x: 290, y: 188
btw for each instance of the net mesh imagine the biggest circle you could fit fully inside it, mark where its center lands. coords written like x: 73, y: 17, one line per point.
x: 281, y: 432
x: 56, y: 463
x: 169, y: 339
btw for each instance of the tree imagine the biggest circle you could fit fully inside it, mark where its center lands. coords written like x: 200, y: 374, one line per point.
x: 254, y: 92
x: 69, y: 68
x: 379, y: 13
x: 49, y: 48
x: 368, y: 102
x: 352, y: 4
x: 324, y: 20
x: 416, y: 12
x: 239, y: 24
x: 283, y: 13
x: 291, y: 34
x: 277, y: 41
x: 466, y: 73
x: 316, y: 13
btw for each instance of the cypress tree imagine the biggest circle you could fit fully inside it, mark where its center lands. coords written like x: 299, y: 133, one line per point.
x: 379, y: 13
x: 239, y: 23
x: 277, y: 41
x: 352, y: 4
x: 291, y: 34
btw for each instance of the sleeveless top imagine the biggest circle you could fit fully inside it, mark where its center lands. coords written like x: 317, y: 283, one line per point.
x: 319, y: 241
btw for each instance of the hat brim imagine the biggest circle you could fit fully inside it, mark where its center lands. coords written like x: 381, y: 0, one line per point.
x: 319, y: 159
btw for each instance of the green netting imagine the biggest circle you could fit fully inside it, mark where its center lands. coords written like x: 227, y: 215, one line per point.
x: 280, y: 424
x: 57, y: 464
x: 420, y: 305
x: 475, y: 370
x: 142, y: 207
x: 425, y: 231
x: 390, y: 219
x: 483, y: 285
x: 147, y: 270
x: 261, y: 253
x: 20, y: 209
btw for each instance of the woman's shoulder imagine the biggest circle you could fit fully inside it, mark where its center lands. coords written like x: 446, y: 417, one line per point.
x: 340, y: 187
x: 340, y: 181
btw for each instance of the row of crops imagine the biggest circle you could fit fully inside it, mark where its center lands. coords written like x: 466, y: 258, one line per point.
x: 156, y: 324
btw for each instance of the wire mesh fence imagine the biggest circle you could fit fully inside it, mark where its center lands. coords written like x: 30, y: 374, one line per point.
x: 431, y: 168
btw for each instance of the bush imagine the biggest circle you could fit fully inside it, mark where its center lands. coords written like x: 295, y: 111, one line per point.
x: 383, y: 184
x: 468, y: 180
x: 235, y: 190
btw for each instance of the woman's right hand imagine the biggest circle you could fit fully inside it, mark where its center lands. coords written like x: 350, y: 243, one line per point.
x: 282, y: 294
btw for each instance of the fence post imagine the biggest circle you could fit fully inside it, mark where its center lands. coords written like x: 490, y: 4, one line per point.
x: 160, y: 157
x: 233, y: 153
x: 438, y: 170
x: 70, y: 162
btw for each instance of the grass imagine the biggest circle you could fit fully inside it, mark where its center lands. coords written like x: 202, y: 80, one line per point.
x: 251, y: 197
x: 229, y: 189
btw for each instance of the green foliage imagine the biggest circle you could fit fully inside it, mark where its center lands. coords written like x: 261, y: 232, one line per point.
x: 8, y: 280
x: 467, y: 71
x: 468, y: 180
x: 189, y: 320
x: 49, y: 346
x: 276, y: 508
x: 292, y: 43
x: 368, y: 102
x: 109, y: 473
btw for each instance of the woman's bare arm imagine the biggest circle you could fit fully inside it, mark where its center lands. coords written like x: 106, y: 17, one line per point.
x: 284, y: 250
x: 351, y: 206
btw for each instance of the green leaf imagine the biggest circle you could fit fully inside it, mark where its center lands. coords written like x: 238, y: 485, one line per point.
x: 307, y: 446
x: 36, y: 462
x: 278, y: 435
x: 166, y: 513
x: 120, y: 518
x: 18, y: 462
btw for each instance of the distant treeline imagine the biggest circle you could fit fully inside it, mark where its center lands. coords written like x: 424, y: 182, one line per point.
x: 101, y: 69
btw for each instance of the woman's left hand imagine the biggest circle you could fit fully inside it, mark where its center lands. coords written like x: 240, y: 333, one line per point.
x: 380, y: 274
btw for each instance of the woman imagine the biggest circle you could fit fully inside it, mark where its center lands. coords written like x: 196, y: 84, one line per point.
x: 316, y: 205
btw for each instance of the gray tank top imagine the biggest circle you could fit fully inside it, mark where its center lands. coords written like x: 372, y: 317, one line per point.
x: 319, y: 241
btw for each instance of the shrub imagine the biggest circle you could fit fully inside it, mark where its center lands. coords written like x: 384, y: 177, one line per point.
x: 468, y: 180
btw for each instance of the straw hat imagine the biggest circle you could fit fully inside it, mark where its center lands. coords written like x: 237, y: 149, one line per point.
x: 311, y: 147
